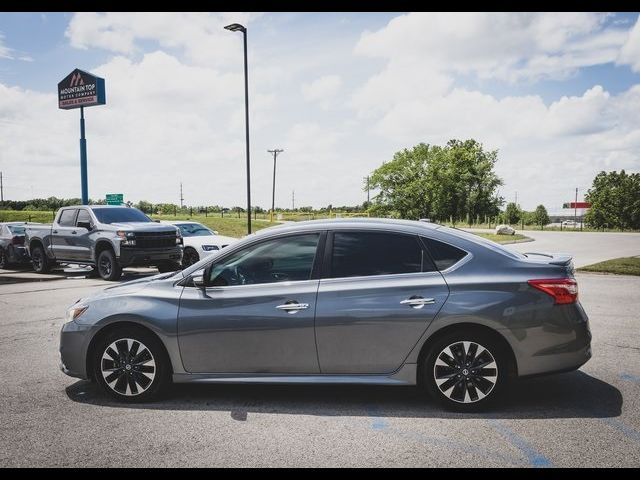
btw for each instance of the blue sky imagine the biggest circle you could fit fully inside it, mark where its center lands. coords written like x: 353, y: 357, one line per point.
x: 556, y: 94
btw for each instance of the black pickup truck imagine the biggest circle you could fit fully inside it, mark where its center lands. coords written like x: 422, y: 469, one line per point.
x: 107, y: 237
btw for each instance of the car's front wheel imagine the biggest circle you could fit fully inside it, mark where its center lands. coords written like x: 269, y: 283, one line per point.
x: 130, y: 364
x: 189, y: 257
x: 465, y: 371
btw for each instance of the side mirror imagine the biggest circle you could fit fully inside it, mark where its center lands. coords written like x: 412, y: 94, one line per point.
x: 86, y: 225
x: 198, y: 280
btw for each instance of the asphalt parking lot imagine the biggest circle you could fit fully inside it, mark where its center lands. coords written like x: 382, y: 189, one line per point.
x: 586, y: 418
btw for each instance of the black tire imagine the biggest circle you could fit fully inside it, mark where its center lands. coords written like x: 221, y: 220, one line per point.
x: 189, y: 257
x: 125, y: 359
x: 460, y: 387
x: 39, y: 260
x: 108, y: 267
x: 169, y: 267
x: 4, y: 259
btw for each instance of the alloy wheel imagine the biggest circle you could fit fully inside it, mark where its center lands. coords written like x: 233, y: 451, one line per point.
x: 105, y: 266
x: 465, y: 372
x: 128, y: 367
x: 189, y: 257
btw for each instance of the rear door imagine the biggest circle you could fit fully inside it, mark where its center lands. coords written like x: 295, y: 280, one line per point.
x: 379, y: 292
x: 62, y: 238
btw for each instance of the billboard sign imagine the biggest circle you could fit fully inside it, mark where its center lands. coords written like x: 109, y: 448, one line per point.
x: 576, y: 205
x: 114, y: 198
x: 80, y: 89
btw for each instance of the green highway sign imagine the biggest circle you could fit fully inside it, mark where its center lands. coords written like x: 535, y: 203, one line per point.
x: 115, y: 198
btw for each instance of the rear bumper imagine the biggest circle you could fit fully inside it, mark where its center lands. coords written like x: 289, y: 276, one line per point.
x: 144, y: 257
x: 562, y: 343
x: 18, y: 254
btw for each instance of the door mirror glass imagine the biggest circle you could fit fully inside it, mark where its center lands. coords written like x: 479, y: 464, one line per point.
x: 198, y: 279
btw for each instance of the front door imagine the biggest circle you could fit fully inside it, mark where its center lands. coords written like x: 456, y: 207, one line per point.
x: 62, y: 236
x: 381, y: 293
x: 257, y: 313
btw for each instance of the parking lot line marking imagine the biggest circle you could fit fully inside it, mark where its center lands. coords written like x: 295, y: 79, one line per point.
x: 379, y: 422
x: 621, y: 427
x: 630, y: 378
x: 535, y: 458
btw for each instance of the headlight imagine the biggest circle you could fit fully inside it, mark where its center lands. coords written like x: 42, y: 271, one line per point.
x: 75, y: 312
x: 128, y: 238
x: 210, y: 248
x: 178, y: 237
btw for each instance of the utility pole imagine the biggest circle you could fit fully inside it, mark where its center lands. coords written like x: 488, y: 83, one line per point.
x: 575, y: 210
x: 1, y: 190
x: 275, y: 153
x: 181, y: 197
x: 293, y: 199
x: 516, y: 198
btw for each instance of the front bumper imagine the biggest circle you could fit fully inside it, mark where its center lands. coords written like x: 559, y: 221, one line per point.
x: 144, y: 257
x: 74, y: 342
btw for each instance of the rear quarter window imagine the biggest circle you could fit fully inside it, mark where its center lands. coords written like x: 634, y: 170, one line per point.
x: 444, y: 255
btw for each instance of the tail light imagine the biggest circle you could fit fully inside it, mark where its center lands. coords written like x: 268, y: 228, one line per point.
x: 17, y: 240
x: 563, y: 290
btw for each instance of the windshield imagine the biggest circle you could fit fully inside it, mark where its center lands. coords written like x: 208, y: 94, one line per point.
x: 484, y: 241
x: 16, y: 229
x: 119, y: 215
x: 194, y: 230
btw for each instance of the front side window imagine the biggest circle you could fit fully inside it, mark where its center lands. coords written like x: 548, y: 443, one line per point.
x: 357, y: 254
x: 67, y: 218
x: 282, y: 259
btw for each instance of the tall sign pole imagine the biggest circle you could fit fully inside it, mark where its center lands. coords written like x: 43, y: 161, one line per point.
x: 575, y: 210
x: 81, y: 89
x: 84, y: 183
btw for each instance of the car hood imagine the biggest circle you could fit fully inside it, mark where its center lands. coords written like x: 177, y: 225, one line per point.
x: 132, y: 286
x: 144, y: 226
x: 209, y: 240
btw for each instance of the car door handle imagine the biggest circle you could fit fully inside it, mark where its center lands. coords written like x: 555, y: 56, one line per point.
x: 418, y: 302
x: 55, y: 231
x: 293, y: 307
x: 74, y: 232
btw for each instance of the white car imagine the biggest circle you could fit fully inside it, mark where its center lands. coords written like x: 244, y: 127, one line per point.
x: 505, y: 230
x: 199, y: 241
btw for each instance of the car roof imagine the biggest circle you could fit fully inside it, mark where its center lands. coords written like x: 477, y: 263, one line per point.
x: 356, y: 223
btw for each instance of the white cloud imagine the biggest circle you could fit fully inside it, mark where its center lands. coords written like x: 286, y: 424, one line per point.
x: 508, y: 46
x: 200, y: 36
x: 5, y: 52
x: 630, y: 52
x: 322, y: 89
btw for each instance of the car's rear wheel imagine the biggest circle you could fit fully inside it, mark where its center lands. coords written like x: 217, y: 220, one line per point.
x: 189, y: 257
x: 130, y: 364
x: 39, y: 260
x: 465, y: 371
x: 4, y: 260
x: 108, y: 267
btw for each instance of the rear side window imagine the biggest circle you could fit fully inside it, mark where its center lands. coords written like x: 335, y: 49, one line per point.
x: 67, y: 218
x: 358, y: 254
x: 443, y: 254
x: 83, y: 216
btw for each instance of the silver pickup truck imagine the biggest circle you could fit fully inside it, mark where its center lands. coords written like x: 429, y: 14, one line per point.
x: 107, y: 237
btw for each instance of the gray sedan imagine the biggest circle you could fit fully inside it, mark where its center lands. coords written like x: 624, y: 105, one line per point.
x: 369, y: 301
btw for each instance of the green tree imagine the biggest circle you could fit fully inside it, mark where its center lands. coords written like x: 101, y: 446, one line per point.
x: 146, y: 207
x: 615, y: 200
x: 512, y: 214
x: 455, y: 181
x: 540, y: 216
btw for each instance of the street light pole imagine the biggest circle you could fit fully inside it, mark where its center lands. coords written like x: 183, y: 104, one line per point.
x: 236, y: 27
x: 275, y: 153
